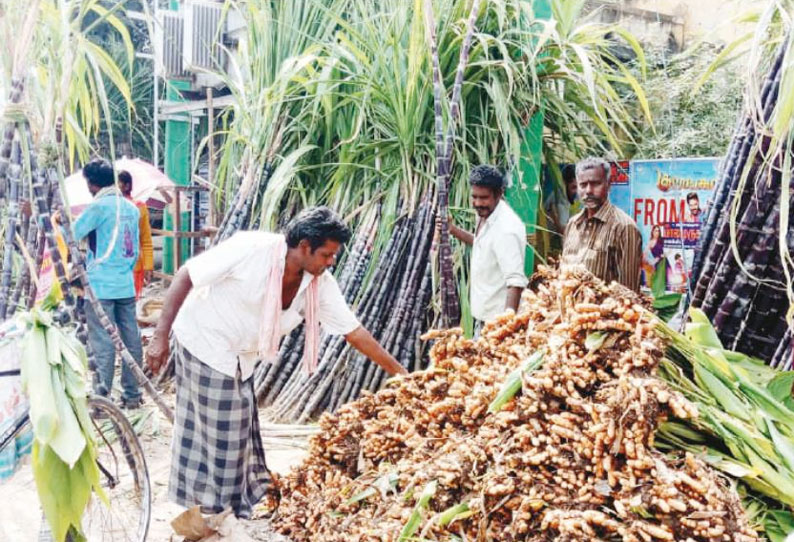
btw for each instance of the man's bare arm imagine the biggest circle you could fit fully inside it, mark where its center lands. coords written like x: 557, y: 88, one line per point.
x: 513, y: 298
x: 363, y: 341
x: 157, y: 352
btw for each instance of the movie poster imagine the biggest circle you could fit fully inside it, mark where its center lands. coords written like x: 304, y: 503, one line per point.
x: 668, y: 201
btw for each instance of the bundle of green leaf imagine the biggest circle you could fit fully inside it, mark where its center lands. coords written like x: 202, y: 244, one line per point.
x: 54, y: 368
x: 746, y: 422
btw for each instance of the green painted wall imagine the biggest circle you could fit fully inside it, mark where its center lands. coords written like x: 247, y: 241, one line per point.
x: 524, y: 195
x: 177, y: 167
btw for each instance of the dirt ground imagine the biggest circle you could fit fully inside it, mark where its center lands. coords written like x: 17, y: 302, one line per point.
x: 20, y: 514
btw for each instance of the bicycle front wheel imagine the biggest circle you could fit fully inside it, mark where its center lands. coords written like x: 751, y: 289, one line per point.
x: 123, y: 476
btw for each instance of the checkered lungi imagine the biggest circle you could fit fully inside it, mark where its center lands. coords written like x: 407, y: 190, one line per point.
x: 217, y: 457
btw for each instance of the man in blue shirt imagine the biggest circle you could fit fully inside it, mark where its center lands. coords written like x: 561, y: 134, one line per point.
x: 110, y: 226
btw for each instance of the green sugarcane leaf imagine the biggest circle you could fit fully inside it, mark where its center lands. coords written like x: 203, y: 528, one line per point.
x: 642, y: 512
x: 700, y: 330
x: 781, y: 481
x: 80, y: 488
x: 452, y: 513
x: 722, y: 393
x: 53, y: 339
x: 52, y: 484
x: 665, y: 301
x: 659, y: 278
x: 68, y: 441
x: 780, y: 387
x: 783, y: 446
x: 760, y: 396
x: 361, y: 495
x: 37, y: 382
x: 411, y: 526
x: 785, y: 519
x: 512, y: 383
x: 595, y: 340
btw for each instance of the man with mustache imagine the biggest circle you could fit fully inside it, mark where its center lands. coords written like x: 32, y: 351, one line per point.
x: 237, y: 300
x: 498, y: 247
x: 602, y: 238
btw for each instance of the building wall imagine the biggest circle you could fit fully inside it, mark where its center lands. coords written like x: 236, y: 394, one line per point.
x: 673, y: 23
x: 701, y: 18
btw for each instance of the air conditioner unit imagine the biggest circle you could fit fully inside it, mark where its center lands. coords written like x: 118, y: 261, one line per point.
x: 192, y: 41
x: 204, y: 34
x: 169, y: 39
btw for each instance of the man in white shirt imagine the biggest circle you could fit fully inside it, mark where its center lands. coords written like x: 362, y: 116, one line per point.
x: 237, y: 300
x: 498, y: 247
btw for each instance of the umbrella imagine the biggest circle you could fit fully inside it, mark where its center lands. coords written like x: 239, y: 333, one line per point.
x: 149, y: 184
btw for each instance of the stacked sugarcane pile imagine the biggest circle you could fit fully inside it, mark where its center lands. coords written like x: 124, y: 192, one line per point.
x: 739, y: 276
x: 452, y: 452
x: 392, y: 306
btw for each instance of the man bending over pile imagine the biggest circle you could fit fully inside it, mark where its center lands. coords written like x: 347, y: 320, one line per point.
x: 239, y: 299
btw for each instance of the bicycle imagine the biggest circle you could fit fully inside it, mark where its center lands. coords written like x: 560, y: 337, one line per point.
x: 123, y: 475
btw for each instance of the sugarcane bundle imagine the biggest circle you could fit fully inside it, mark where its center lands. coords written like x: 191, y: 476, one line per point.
x: 54, y: 368
x: 391, y: 305
x: 463, y: 451
x: 741, y: 266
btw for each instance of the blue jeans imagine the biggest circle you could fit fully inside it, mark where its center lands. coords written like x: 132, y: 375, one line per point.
x: 122, y: 313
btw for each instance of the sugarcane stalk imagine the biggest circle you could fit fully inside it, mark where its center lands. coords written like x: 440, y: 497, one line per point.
x: 12, y: 217
x: 757, y: 212
x: 450, y: 305
x: 241, y: 205
x: 14, y: 97
x: 273, y: 385
x: 709, y: 251
x: 264, y: 378
x: 741, y: 143
x: 23, y: 284
x: 320, y: 391
x: 457, y: 88
x: 737, y: 298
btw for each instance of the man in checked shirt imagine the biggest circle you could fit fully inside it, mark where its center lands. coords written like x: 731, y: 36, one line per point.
x: 602, y: 238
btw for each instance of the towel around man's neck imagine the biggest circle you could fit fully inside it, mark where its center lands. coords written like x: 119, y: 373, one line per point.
x: 270, y: 330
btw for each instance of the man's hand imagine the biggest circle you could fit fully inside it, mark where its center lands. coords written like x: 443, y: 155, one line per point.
x: 157, y: 353
x: 56, y: 217
x: 458, y: 233
x: 210, y: 231
x: 147, y: 276
x: 363, y: 341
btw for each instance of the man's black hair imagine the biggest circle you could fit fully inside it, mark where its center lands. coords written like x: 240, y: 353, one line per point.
x: 99, y: 173
x: 489, y: 177
x: 568, y: 173
x: 125, y: 177
x: 691, y: 196
x: 317, y: 225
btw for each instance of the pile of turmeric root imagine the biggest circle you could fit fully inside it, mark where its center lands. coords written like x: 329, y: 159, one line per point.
x: 437, y: 455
